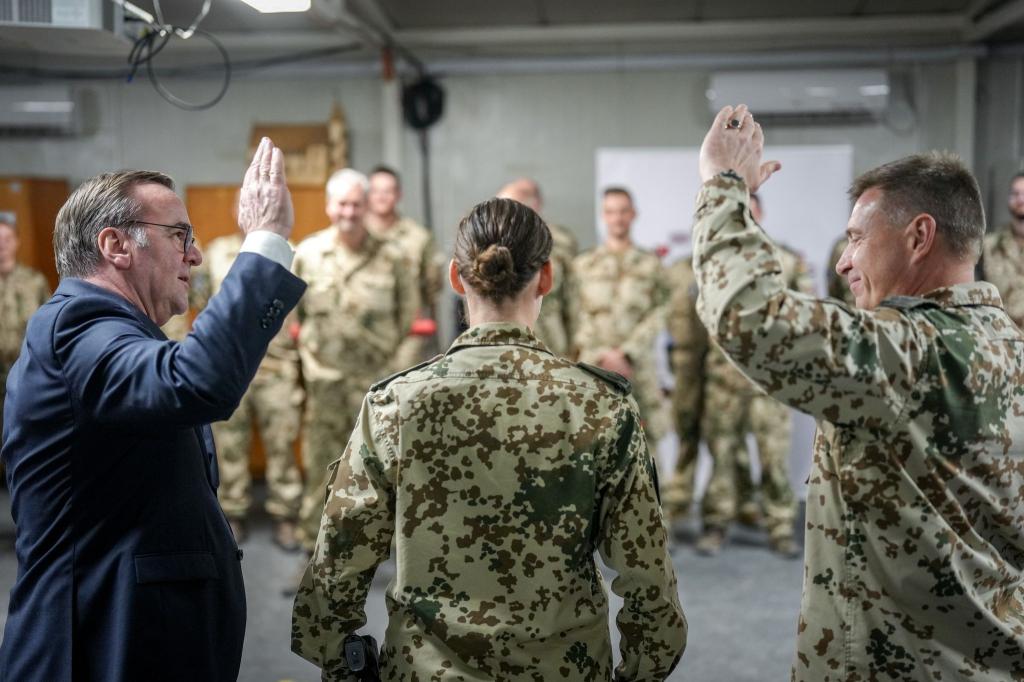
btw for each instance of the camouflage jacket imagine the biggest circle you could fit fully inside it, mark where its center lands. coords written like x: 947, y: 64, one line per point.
x: 417, y: 243
x: 498, y: 469
x: 915, y: 512
x: 556, y: 325
x: 1003, y: 265
x: 357, y: 309
x: 838, y: 287
x: 21, y: 293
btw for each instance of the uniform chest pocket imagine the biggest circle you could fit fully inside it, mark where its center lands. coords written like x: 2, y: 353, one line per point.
x: 175, y: 567
x: 372, y: 292
x: 320, y: 302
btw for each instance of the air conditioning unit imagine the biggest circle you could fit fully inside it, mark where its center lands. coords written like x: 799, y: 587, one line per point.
x: 36, y: 110
x: 76, y: 27
x: 848, y: 93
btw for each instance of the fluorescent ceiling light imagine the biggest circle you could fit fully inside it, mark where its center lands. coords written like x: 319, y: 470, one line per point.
x: 53, y: 107
x: 270, y: 6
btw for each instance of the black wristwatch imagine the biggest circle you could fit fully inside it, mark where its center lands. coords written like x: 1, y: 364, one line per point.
x: 730, y: 173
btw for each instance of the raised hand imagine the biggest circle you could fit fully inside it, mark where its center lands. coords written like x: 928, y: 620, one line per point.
x: 736, y: 142
x: 264, y: 202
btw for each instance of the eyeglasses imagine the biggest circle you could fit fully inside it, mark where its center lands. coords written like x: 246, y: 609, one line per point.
x: 187, y: 241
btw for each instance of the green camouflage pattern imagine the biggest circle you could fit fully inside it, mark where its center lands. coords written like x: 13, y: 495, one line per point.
x: 495, y: 472
x: 622, y: 301
x: 838, y: 287
x: 1003, y: 265
x: 914, y: 565
x: 556, y: 324
x: 22, y: 291
x: 354, y: 315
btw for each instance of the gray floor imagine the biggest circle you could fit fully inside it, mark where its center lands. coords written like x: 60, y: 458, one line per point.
x: 741, y: 606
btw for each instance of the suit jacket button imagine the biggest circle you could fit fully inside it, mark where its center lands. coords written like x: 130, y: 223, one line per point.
x: 278, y: 304
x: 265, y: 323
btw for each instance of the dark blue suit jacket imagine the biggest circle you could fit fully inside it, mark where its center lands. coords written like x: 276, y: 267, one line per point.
x: 127, y: 569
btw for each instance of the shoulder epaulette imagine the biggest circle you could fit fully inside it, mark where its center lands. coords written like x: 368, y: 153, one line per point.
x: 614, y: 378
x: 906, y: 302
x: 387, y: 380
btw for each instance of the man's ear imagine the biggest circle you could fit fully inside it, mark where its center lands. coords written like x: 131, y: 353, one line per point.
x: 114, y: 246
x: 454, y: 279
x: 547, y: 279
x: 920, y: 235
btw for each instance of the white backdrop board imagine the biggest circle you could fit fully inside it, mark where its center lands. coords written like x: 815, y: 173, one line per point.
x: 805, y: 207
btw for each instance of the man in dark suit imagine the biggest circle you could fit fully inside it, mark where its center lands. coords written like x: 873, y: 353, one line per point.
x: 127, y: 569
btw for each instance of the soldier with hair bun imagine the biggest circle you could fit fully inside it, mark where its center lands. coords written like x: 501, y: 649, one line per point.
x: 496, y: 471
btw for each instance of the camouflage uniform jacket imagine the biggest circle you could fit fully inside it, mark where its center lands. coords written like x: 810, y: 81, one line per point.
x: 498, y: 469
x: 282, y: 358
x: 22, y: 291
x: 838, y: 287
x: 915, y: 513
x: 556, y: 325
x: 357, y: 309
x: 1003, y: 265
x: 417, y: 243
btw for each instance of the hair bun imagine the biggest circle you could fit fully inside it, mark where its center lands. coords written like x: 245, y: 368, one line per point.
x: 494, y: 269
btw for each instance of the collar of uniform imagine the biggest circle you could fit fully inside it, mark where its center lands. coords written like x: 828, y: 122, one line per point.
x: 967, y: 294
x: 498, y: 334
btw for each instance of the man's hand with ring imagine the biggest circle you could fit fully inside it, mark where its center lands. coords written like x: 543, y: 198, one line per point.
x: 735, y: 142
x: 264, y: 202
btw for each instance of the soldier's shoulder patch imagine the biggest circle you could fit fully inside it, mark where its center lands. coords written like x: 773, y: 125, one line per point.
x: 387, y: 380
x: 907, y: 302
x: 618, y: 381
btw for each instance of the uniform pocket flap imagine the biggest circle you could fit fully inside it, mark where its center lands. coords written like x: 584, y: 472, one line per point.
x: 159, y: 568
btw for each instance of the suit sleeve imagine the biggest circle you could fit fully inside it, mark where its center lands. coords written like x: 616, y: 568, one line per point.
x: 836, y: 363
x: 121, y: 375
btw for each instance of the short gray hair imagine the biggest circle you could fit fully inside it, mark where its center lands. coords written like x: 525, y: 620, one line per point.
x: 9, y: 219
x: 345, y: 179
x: 104, y: 200
x: 937, y: 183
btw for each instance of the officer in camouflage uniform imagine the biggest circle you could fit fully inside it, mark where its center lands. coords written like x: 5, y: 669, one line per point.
x: 273, y: 403
x: 417, y: 243
x: 915, y: 513
x: 837, y: 285
x: 689, y: 349
x: 22, y: 291
x: 356, y: 312
x: 735, y: 407
x: 556, y: 326
x: 623, y: 294
x: 1002, y: 263
x: 496, y: 471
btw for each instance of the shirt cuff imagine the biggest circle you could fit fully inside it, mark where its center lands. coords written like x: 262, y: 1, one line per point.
x: 269, y: 245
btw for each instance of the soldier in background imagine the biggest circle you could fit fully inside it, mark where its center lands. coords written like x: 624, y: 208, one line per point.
x: 417, y: 243
x: 273, y: 403
x: 556, y: 326
x: 22, y: 291
x: 837, y: 284
x: 733, y: 408
x: 356, y: 312
x: 1002, y: 262
x: 623, y: 293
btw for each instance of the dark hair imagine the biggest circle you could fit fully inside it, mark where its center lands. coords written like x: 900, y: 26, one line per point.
x: 387, y: 170
x: 1016, y: 176
x: 101, y: 201
x: 500, y: 246
x: 615, y: 189
x: 938, y: 184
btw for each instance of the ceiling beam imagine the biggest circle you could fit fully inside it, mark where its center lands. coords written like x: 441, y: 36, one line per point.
x: 990, y: 23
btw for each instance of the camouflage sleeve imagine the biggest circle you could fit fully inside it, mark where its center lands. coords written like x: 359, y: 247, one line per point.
x: 689, y: 347
x: 802, y: 280
x: 570, y: 294
x: 641, y: 339
x: 355, y: 537
x: 201, y: 292
x: 634, y: 543
x: 430, y: 276
x: 819, y: 356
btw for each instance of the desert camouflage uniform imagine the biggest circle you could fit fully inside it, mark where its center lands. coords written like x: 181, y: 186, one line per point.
x: 273, y: 403
x: 622, y: 302
x: 689, y: 349
x: 1003, y: 265
x: 22, y: 291
x: 178, y: 326
x: 424, y: 263
x: 915, y: 513
x: 355, y: 313
x: 556, y: 324
x: 496, y: 471
x: 735, y: 407
x: 838, y: 287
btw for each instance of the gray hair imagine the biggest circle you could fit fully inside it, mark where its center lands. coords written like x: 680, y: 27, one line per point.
x: 9, y: 219
x: 937, y: 183
x: 345, y: 179
x: 104, y: 200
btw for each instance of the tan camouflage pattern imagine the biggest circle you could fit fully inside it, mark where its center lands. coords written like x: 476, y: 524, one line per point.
x: 915, y: 512
x: 556, y: 324
x: 495, y: 472
x: 22, y: 291
x: 736, y: 407
x: 273, y: 404
x: 1003, y: 265
x: 689, y: 348
x: 178, y: 326
x: 838, y: 287
x: 425, y: 263
x: 356, y: 311
x: 622, y: 300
